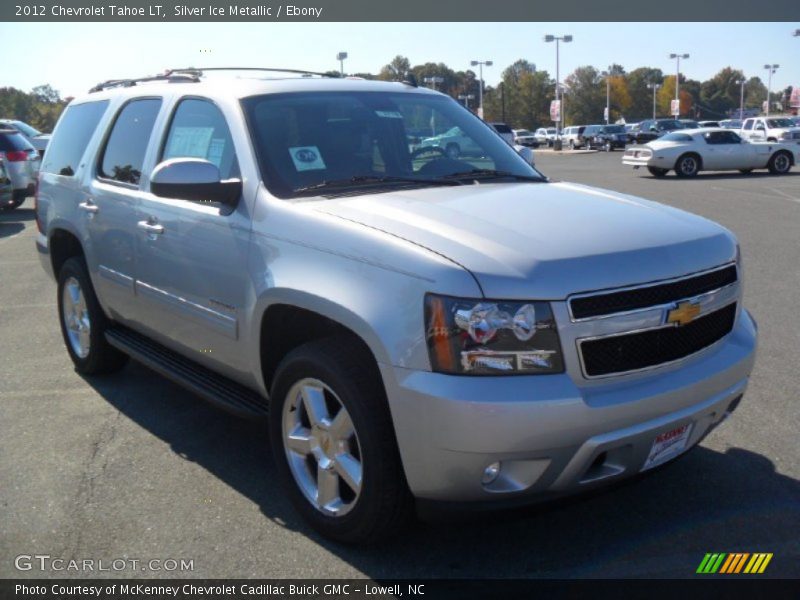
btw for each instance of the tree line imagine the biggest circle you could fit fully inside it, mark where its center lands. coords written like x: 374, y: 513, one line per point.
x: 40, y: 107
x: 522, y: 98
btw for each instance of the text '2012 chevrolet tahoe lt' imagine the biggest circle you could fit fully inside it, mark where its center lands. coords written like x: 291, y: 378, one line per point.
x: 417, y: 324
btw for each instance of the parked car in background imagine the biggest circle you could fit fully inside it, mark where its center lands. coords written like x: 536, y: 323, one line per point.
x: 504, y: 131
x: 605, y: 137
x: 709, y: 124
x: 453, y: 142
x: 523, y: 137
x: 6, y: 190
x: 796, y: 120
x: 655, y: 128
x: 731, y: 123
x: 631, y: 129
x: 21, y: 163
x: 37, y: 139
x: 689, y: 124
x: 573, y: 137
x: 546, y: 135
x: 771, y: 129
x: 690, y: 151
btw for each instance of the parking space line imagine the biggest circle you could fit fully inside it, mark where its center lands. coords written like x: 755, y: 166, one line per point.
x: 785, y: 195
x: 48, y: 392
x: 779, y: 196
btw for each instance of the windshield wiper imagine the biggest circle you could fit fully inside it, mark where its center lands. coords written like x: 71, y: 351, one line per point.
x: 492, y: 174
x: 366, y: 180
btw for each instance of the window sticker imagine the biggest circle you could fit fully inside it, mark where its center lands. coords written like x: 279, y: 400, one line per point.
x: 189, y: 141
x: 389, y: 114
x: 307, y: 158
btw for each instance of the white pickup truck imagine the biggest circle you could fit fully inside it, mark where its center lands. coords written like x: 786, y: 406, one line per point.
x: 770, y: 129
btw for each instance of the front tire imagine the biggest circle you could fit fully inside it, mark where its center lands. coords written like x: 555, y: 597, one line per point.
x: 688, y: 165
x: 780, y: 163
x: 334, y: 445
x: 83, y: 323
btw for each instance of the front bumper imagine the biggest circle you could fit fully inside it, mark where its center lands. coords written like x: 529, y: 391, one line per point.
x: 551, y: 436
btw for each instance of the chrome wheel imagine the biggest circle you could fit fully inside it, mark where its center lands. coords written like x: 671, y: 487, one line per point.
x: 322, y: 447
x: 76, y: 318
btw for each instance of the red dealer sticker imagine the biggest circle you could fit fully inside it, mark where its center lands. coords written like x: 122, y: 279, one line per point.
x: 668, y: 445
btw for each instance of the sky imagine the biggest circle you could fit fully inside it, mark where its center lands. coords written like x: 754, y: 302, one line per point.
x: 73, y: 57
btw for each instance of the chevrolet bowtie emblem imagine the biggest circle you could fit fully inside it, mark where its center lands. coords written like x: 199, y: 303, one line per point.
x: 683, y: 314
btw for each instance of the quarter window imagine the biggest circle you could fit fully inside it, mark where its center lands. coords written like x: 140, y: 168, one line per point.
x: 75, y: 129
x: 199, y: 130
x: 748, y: 124
x: 123, y: 156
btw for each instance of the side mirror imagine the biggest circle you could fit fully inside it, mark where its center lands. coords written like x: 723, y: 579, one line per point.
x: 194, y: 179
x: 526, y: 153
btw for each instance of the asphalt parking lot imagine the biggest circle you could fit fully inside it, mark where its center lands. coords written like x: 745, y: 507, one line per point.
x: 132, y: 466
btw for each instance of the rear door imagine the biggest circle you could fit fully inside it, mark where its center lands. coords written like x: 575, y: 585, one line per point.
x: 192, y: 256
x: 109, y: 203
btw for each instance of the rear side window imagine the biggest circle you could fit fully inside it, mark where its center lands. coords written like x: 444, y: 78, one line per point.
x: 126, y: 146
x: 199, y: 130
x: 748, y: 124
x: 10, y: 142
x: 75, y: 129
x: 501, y: 127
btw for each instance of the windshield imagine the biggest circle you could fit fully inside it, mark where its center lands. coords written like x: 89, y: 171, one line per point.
x: 306, y: 142
x: 26, y: 129
x: 779, y: 123
x: 613, y: 129
x: 523, y: 132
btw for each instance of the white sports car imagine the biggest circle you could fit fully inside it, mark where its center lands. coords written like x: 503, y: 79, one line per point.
x: 710, y: 149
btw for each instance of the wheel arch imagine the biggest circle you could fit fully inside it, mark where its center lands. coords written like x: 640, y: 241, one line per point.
x: 63, y: 244
x: 292, y: 318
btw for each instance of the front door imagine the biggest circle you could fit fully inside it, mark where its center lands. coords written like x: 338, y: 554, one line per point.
x: 192, y: 278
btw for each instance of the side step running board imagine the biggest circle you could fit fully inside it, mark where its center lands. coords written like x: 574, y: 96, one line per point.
x: 214, y: 388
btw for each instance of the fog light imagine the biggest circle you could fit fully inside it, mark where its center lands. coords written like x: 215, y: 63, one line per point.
x: 490, y: 473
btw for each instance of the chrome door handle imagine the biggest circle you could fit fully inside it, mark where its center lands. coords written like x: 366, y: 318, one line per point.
x: 150, y: 227
x: 89, y: 206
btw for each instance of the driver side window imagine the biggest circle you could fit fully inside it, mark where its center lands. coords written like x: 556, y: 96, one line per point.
x: 199, y: 130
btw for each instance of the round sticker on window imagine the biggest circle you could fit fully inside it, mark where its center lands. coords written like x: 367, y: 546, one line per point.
x: 306, y: 158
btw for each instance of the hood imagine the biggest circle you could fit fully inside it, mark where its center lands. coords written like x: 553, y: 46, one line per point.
x: 545, y: 241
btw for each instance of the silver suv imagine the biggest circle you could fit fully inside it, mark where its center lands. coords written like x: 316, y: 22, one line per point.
x: 418, y: 326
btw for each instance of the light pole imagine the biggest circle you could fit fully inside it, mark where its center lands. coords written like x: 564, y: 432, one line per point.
x: 741, y: 82
x: 678, y: 58
x: 607, y: 75
x: 566, y: 39
x: 340, y: 57
x: 466, y: 98
x: 480, y: 64
x: 771, y: 69
x: 655, y: 87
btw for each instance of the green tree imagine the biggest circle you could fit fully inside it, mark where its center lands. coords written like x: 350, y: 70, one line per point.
x: 642, y: 96
x: 586, y: 97
x: 397, y: 70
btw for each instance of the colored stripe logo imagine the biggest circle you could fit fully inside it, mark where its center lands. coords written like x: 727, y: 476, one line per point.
x: 734, y: 563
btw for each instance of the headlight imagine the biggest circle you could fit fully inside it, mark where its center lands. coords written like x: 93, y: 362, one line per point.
x: 481, y: 337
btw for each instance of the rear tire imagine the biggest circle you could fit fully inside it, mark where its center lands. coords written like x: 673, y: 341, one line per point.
x: 83, y: 323
x: 331, y: 376
x: 12, y: 204
x: 688, y: 165
x: 780, y: 163
x: 656, y: 172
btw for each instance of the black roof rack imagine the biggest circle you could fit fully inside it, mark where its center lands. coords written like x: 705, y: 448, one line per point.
x: 197, y: 71
x: 168, y: 77
x: 193, y: 74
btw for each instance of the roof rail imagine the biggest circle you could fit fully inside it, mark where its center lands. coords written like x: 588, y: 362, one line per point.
x: 198, y: 72
x: 168, y: 76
